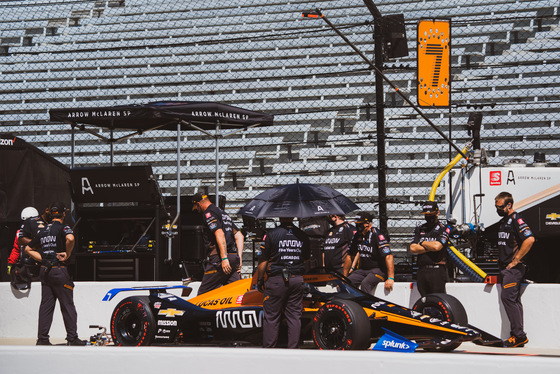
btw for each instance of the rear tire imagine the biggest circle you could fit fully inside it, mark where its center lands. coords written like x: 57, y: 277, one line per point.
x: 446, y: 308
x: 133, y: 322
x: 341, y: 325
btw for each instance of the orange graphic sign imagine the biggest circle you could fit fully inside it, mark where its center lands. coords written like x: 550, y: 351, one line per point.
x: 434, y: 59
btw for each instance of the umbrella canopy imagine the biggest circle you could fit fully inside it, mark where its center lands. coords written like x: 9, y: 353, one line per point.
x: 299, y: 200
x: 163, y: 115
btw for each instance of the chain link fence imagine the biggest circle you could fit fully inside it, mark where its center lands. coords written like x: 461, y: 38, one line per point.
x: 263, y: 56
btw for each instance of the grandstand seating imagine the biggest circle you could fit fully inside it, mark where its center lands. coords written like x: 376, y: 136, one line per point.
x: 261, y: 55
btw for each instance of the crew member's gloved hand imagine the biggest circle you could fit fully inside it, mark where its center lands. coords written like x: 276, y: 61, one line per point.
x: 9, y: 269
x: 260, y: 285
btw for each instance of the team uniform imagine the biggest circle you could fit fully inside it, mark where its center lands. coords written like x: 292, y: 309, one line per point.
x: 285, y: 248
x: 56, y: 283
x: 337, y: 246
x: 432, y: 270
x: 372, y: 248
x: 513, y: 230
x: 23, y: 268
x: 31, y: 227
x: 214, y: 276
x: 16, y: 251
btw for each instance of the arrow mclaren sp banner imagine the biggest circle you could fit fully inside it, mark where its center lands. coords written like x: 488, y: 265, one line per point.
x: 434, y: 51
x: 113, y: 184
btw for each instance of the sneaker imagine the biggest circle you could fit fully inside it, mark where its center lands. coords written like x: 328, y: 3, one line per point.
x: 77, y: 341
x: 515, y: 341
x: 43, y: 342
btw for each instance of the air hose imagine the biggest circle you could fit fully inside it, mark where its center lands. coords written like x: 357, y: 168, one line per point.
x: 469, y: 268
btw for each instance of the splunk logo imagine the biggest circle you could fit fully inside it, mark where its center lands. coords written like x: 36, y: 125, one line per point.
x: 8, y: 142
x: 245, y: 319
x: 395, y: 344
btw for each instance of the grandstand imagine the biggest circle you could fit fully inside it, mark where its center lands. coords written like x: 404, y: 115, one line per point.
x: 263, y: 56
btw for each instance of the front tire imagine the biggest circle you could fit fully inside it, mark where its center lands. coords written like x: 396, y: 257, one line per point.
x: 341, y: 325
x: 446, y: 308
x: 133, y: 322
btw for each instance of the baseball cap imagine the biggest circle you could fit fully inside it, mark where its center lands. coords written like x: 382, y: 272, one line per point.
x: 197, y: 197
x: 363, y: 217
x: 429, y: 207
x: 57, y: 208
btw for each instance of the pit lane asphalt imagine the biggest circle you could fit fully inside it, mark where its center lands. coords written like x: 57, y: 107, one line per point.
x: 26, y: 358
x: 465, y: 348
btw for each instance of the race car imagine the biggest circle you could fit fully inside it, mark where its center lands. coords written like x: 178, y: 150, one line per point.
x: 336, y: 315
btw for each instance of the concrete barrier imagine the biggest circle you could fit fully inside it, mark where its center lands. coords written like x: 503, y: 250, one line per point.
x: 18, y: 311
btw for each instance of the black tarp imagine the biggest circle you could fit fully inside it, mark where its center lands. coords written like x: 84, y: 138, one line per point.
x: 163, y: 115
x: 29, y: 177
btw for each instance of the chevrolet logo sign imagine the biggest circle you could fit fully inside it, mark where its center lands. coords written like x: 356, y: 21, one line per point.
x: 171, y: 312
x: 553, y: 216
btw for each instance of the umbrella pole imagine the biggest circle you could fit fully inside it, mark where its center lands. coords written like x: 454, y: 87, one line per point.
x: 170, y: 237
x: 217, y: 138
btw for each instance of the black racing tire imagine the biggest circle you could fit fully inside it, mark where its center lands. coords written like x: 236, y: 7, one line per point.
x: 341, y: 325
x: 446, y: 308
x: 133, y: 322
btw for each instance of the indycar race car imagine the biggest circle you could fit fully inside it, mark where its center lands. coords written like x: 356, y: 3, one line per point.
x: 336, y: 315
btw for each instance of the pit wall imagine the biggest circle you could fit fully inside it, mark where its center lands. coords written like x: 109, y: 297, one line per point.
x: 19, y: 310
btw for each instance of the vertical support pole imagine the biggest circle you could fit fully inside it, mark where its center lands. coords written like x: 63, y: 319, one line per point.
x: 217, y: 137
x: 380, y: 115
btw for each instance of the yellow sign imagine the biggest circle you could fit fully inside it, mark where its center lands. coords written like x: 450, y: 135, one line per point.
x: 434, y: 52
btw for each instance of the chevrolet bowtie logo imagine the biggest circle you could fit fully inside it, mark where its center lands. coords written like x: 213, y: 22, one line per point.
x: 171, y: 312
x: 553, y: 216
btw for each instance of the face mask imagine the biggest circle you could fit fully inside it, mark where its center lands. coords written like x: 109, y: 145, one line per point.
x: 332, y: 220
x: 501, y: 212
x: 360, y: 227
x: 431, y: 219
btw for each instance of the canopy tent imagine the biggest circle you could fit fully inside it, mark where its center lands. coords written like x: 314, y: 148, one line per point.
x: 167, y: 115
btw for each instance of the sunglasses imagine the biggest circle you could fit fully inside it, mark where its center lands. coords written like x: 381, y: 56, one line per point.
x: 501, y: 206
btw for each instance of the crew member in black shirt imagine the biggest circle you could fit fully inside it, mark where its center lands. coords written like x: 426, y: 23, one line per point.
x: 224, y: 242
x: 336, y: 255
x: 282, y: 256
x: 52, y: 247
x: 515, y: 239
x: 370, y: 249
x: 430, y: 244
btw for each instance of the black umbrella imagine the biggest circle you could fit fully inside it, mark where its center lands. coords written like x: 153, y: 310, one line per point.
x: 299, y: 200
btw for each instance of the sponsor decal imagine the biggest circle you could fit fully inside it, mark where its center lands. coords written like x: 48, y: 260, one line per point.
x: 239, y: 299
x: 520, y: 221
x: 166, y: 322
x: 553, y: 216
x: 8, y: 142
x: 157, y: 304
x: 163, y: 331
x: 208, y: 215
x: 223, y: 301
x: 381, y: 237
x: 162, y: 337
x: 86, y: 186
x: 100, y: 113
x: 245, y: 319
x: 496, y: 178
x: 377, y: 304
x: 395, y: 344
x: 220, y: 115
x: 171, y: 312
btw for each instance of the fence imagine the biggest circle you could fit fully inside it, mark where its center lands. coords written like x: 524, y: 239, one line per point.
x: 263, y: 56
